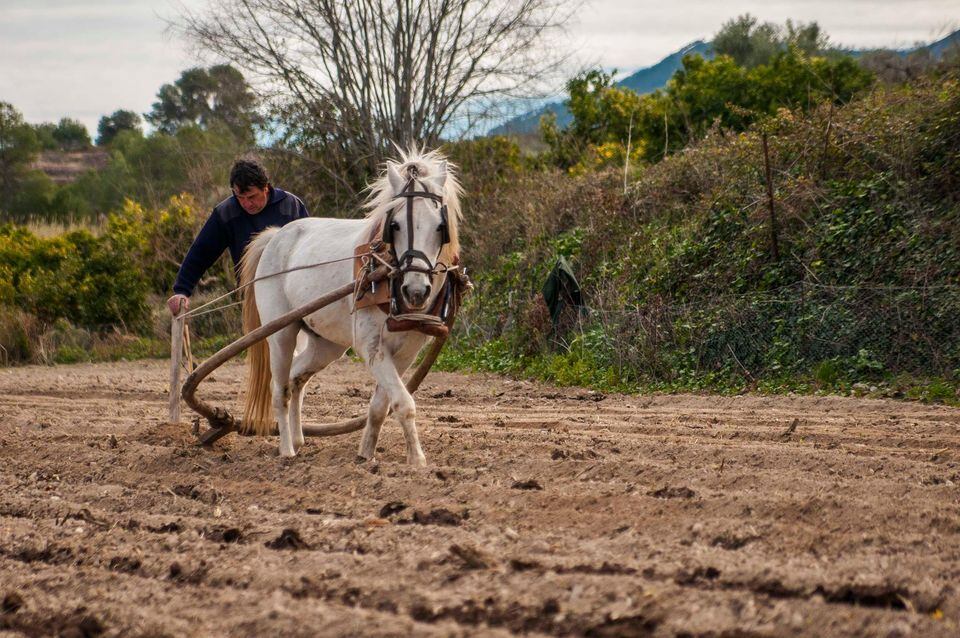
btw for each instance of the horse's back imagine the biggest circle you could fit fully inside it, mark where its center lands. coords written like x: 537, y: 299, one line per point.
x: 320, y: 235
x: 320, y: 248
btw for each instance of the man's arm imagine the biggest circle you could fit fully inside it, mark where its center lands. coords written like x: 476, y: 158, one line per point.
x: 301, y: 209
x: 206, y: 249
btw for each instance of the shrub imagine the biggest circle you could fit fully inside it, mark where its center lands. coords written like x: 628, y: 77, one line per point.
x: 19, y: 333
x: 155, y: 239
x: 703, y: 95
x: 76, y: 276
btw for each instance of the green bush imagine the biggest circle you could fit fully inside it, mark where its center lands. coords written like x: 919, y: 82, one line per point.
x: 76, y: 276
x: 702, y: 95
x: 19, y: 334
x: 156, y: 239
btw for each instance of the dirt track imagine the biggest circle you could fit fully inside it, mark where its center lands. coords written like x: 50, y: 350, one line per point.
x: 661, y: 516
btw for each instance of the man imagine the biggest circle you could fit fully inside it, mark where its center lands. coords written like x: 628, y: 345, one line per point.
x: 254, y: 206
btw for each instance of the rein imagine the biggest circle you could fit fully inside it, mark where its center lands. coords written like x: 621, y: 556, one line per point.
x: 195, y: 312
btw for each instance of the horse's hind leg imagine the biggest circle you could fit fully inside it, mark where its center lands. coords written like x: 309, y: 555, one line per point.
x: 282, y: 344
x: 316, y: 356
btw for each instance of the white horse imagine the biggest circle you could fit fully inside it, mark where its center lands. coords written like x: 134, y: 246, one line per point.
x: 276, y: 378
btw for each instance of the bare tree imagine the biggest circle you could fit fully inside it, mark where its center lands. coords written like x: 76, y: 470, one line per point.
x: 361, y: 73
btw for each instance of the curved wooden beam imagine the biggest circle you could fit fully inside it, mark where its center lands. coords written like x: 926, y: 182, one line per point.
x: 357, y: 422
x: 221, y: 421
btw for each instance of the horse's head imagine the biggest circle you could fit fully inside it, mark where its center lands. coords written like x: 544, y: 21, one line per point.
x: 416, y: 203
x: 417, y: 228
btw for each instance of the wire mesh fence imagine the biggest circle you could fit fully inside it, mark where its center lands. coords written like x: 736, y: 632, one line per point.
x: 867, y: 331
x: 859, y: 331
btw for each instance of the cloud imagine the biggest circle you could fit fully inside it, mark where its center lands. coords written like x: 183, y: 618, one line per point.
x: 87, y: 58
x: 630, y: 35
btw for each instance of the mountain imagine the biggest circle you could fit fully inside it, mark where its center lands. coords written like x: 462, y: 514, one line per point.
x: 655, y: 77
x: 645, y: 80
x: 940, y: 48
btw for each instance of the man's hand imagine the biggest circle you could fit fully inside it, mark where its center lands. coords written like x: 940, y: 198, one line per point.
x: 178, y: 303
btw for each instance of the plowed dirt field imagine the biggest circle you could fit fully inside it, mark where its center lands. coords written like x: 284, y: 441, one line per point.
x: 543, y: 511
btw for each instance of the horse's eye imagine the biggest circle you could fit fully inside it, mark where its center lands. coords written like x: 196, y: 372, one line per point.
x: 394, y: 226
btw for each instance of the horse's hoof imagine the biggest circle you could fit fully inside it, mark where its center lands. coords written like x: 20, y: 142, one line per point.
x: 287, y: 454
x: 418, y: 461
x: 360, y: 460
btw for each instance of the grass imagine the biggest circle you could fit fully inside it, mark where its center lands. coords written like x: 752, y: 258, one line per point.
x: 577, y: 369
x: 48, y: 229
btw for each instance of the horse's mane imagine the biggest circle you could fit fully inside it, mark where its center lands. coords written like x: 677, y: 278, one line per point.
x: 427, y: 164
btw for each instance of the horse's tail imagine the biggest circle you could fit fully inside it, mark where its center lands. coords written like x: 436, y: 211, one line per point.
x: 257, y: 408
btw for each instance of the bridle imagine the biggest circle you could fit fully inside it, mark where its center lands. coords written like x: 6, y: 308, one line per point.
x: 405, y: 261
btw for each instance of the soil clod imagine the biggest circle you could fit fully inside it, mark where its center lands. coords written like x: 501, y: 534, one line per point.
x: 289, y: 538
x: 125, y: 564
x: 12, y: 603
x: 672, y: 492
x: 439, y: 516
x: 223, y: 534
x: 166, y: 528
x: 198, y: 493
x: 790, y: 430
x: 391, y: 508
x: 523, y: 565
x: 472, y: 557
x: 733, y: 541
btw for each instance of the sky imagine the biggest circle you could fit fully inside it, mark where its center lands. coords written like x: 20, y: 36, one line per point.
x: 87, y: 58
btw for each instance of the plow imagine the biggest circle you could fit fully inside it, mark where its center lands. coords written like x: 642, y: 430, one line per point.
x: 222, y: 423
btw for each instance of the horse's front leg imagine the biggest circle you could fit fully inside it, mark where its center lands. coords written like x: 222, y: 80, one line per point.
x: 376, y: 413
x: 401, y: 402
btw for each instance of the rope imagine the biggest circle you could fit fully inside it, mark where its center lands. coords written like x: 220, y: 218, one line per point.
x: 196, y: 310
x: 207, y: 312
x: 187, y: 361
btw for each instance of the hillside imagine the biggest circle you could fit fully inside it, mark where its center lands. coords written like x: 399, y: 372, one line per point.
x: 645, y: 80
x: 687, y: 283
x: 63, y: 167
x: 654, y: 77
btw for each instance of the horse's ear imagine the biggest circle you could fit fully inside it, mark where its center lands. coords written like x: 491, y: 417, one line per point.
x: 440, y: 179
x: 396, y: 181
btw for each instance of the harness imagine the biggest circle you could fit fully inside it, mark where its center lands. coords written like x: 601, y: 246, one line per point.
x: 433, y: 321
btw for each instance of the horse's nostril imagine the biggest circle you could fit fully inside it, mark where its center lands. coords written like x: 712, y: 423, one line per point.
x: 415, y: 296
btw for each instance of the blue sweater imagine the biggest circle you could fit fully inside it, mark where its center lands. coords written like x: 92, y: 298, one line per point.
x: 232, y: 227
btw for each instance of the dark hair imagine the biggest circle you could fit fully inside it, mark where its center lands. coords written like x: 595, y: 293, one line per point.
x: 248, y: 172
